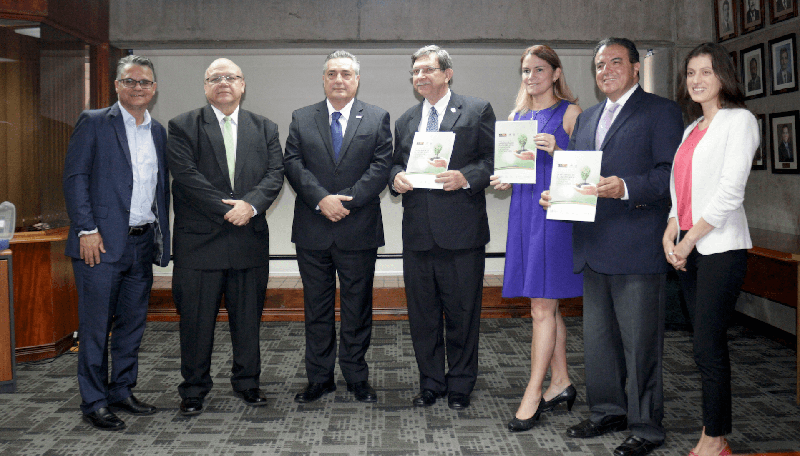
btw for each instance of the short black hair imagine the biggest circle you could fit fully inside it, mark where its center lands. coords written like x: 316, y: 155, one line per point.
x: 633, y: 53
x: 134, y: 59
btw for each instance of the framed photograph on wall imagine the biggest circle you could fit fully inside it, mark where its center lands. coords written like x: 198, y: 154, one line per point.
x: 780, y: 10
x: 752, y: 72
x: 783, y: 64
x: 760, y: 158
x: 783, y: 129
x: 752, y: 15
x: 725, y: 17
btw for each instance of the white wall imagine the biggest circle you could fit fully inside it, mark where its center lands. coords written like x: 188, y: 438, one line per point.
x: 282, y: 80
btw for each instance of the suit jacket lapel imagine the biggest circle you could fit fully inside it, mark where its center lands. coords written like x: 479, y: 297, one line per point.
x: 630, y: 106
x: 413, y: 122
x: 356, y: 114
x: 451, y: 113
x: 214, y: 133
x: 119, y: 127
x: 323, y: 125
x: 245, y: 135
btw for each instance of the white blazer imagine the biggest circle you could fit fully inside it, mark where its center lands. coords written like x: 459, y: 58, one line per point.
x: 720, y: 167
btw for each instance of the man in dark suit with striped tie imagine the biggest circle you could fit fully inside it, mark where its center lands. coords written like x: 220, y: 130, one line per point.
x: 445, y: 231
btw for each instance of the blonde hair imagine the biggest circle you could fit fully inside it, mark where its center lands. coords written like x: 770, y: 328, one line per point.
x: 524, y: 102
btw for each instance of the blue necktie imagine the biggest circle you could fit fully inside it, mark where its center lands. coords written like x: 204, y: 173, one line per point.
x: 336, y: 134
x: 433, y: 120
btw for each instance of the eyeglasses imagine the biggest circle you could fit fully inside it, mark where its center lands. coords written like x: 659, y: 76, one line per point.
x: 426, y: 70
x: 129, y: 83
x: 227, y: 78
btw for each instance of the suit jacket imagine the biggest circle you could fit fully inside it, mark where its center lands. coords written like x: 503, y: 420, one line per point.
x: 785, y: 152
x: 784, y: 80
x: 721, y: 163
x: 625, y: 237
x: 98, y: 184
x: 197, y: 161
x: 752, y: 15
x: 455, y: 219
x: 754, y: 84
x: 361, y: 173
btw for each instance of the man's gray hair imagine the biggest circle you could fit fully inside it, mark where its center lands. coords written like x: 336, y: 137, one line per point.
x: 445, y: 62
x: 134, y: 60
x: 340, y: 54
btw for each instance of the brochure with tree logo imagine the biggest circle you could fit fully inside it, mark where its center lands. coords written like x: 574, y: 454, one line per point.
x: 429, y: 156
x: 573, y: 185
x: 515, y: 152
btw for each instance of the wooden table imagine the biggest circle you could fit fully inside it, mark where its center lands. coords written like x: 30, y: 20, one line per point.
x: 45, y: 297
x: 773, y: 273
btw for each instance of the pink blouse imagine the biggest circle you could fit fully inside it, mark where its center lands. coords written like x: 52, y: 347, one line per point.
x: 682, y: 169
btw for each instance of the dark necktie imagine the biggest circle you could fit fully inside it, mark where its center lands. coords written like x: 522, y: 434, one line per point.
x: 336, y: 134
x: 433, y: 121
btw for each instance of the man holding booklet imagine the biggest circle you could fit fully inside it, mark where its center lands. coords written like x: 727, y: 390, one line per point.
x: 445, y: 229
x: 620, y: 253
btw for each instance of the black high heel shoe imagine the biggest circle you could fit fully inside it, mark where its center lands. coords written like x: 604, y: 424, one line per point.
x: 518, y: 425
x: 568, y: 395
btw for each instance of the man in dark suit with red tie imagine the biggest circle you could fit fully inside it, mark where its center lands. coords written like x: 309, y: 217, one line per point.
x: 445, y: 231
x: 116, y: 188
x: 227, y: 169
x: 338, y: 155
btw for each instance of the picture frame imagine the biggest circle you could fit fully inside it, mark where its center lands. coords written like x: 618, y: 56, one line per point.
x: 752, y: 15
x: 753, y: 74
x: 780, y: 10
x: 783, y: 130
x: 783, y: 64
x: 760, y: 158
x: 725, y: 15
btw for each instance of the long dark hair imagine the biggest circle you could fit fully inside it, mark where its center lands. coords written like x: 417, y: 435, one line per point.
x: 730, y: 93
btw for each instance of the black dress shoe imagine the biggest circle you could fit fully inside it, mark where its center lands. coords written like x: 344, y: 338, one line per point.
x: 253, y: 396
x: 426, y: 398
x: 103, y: 419
x: 363, y: 392
x: 587, y: 428
x: 568, y: 395
x: 518, y: 425
x: 635, y: 446
x: 133, y: 406
x: 314, y: 391
x: 457, y: 401
x: 191, y: 406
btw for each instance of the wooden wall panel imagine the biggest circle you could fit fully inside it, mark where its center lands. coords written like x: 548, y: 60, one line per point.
x: 19, y: 122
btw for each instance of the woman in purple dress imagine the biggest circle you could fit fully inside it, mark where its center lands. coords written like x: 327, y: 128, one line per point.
x: 539, y: 251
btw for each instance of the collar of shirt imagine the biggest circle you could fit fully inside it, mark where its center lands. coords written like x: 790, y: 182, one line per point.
x: 344, y: 111
x: 621, y: 101
x: 441, y: 108
x: 221, y: 117
x: 128, y: 117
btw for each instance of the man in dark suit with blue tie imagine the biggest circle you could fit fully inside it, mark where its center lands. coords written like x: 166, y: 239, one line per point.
x: 445, y: 232
x: 337, y: 159
x: 227, y: 169
x: 620, y: 253
x: 117, y: 197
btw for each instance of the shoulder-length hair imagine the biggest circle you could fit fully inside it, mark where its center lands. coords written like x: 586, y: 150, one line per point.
x: 730, y: 93
x: 524, y: 102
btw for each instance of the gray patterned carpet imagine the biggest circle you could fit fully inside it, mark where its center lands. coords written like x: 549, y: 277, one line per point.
x: 43, y: 417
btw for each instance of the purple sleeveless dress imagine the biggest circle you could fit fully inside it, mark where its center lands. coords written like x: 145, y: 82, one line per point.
x: 539, y: 251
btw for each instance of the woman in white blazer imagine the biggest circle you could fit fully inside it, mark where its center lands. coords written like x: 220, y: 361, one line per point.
x: 707, y: 237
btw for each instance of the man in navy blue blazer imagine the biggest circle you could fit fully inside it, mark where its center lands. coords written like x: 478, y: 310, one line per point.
x: 620, y: 253
x: 117, y: 197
